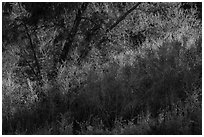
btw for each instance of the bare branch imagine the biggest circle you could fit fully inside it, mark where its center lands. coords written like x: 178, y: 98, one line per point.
x: 104, y: 38
x: 70, y: 37
x: 33, y: 49
x: 122, y: 17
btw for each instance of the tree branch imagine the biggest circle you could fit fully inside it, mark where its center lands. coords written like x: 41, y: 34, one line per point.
x: 72, y: 33
x: 103, y: 39
x: 33, y: 49
x: 122, y: 17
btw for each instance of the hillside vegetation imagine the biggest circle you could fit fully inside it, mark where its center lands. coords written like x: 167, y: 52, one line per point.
x: 102, y: 68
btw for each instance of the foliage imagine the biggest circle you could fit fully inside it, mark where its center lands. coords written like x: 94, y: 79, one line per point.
x: 101, y: 68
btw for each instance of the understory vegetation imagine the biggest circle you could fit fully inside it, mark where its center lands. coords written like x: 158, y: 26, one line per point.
x: 63, y: 75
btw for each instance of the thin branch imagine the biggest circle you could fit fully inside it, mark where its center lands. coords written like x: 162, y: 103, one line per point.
x: 104, y: 38
x: 31, y: 67
x: 78, y: 18
x: 32, y: 48
x: 122, y: 17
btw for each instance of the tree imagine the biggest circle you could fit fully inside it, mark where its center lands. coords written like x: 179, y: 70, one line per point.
x: 31, y: 18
